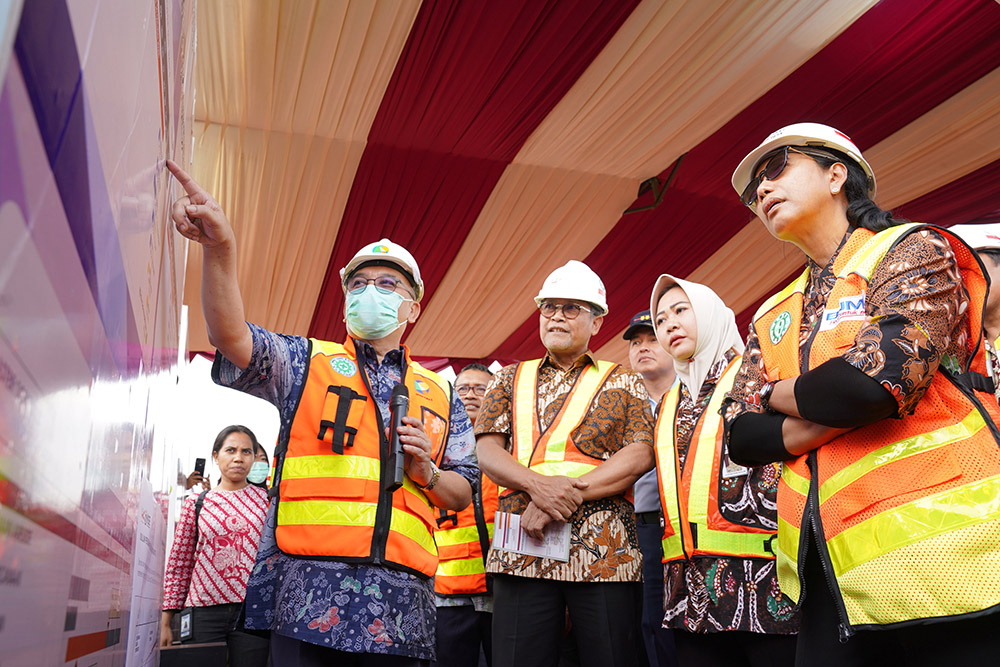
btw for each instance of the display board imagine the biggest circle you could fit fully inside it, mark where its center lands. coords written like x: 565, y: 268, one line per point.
x: 95, y: 95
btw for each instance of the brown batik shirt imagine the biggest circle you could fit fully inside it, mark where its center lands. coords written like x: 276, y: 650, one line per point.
x: 716, y: 594
x: 603, y: 543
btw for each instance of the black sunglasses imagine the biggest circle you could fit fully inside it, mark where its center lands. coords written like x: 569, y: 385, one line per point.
x: 774, y: 164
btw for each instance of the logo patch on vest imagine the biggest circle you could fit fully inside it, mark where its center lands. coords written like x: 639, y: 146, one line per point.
x: 850, y: 308
x: 421, y: 387
x: 779, y: 327
x: 344, y: 367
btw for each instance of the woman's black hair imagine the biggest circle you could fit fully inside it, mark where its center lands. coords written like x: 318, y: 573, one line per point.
x: 228, y: 431
x: 861, y: 210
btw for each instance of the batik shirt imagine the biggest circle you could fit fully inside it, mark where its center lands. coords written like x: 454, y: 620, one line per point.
x: 717, y: 594
x: 916, y: 305
x: 603, y: 542
x: 353, y: 608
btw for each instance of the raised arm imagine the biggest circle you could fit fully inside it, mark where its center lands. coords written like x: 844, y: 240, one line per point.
x: 198, y: 217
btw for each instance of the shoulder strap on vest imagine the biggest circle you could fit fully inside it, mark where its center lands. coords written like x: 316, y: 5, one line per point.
x: 865, y: 260
x: 797, y: 285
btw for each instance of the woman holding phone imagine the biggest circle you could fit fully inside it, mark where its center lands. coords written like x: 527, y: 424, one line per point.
x: 214, y: 547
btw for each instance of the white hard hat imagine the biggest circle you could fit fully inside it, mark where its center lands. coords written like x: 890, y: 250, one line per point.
x: 390, y: 253
x: 979, y: 237
x: 575, y: 280
x: 802, y: 134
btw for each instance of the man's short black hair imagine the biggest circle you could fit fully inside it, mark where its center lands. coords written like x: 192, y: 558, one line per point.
x: 476, y: 367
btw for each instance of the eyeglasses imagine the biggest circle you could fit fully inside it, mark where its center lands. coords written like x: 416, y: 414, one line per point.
x: 569, y: 310
x: 773, y: 166
x: 385, y: 284
x: 477, y: 389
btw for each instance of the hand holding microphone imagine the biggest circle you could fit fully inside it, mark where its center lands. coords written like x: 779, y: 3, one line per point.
x: 409, y: 445
x: 399, y: 404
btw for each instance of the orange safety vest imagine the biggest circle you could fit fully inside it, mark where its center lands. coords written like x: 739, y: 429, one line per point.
x: 552, y: 451
x: 331, y: 499
x: 693, y: 523
x: 907, y: 510
x: 463, y: 540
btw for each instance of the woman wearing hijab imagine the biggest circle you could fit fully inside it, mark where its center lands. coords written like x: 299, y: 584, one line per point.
x: 721, y: 593
x: 861, y: 377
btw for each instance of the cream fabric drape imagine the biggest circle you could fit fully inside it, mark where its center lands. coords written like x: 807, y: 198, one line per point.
x: 282, y: 119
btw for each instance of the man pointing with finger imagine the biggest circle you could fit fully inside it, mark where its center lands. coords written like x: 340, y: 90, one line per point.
x: 343, y: 572
x: 565, y: 437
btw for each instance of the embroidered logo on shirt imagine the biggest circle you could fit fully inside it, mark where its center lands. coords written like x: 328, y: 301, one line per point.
x: 421, y: 387
x: 344, y: 367
x: 850, y: 308
x: 779, y: 326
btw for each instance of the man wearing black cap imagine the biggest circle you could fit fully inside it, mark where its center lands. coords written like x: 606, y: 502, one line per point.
x: 651, y: 361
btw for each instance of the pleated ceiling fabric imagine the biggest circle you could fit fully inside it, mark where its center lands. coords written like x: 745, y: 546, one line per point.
x: 497, y: 141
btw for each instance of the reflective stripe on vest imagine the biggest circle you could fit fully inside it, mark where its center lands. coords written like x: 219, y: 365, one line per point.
x: 552, y: 452
x: 460, y: 538
x: 908, y: 508
x: 331, y: 500
x: 695, y: 501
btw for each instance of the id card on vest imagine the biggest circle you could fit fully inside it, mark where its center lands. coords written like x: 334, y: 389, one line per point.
x: 509, y: 536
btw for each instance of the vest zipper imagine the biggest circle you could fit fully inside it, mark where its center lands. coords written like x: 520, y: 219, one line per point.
x: 816, y: 524
x: 383, y: 513
x: 481, y: 528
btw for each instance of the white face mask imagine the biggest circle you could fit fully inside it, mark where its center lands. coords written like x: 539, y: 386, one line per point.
x: 258, y: 472
x: 372, y: 314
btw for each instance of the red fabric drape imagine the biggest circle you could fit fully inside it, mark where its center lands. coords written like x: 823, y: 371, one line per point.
x: 899, y: 60
x: 474, y: 80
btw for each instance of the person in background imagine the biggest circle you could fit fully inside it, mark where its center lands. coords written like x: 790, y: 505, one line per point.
x: 213, y: 552
x: 721, y: 592
x: 567, y: 435
x: 260, y: 469
x: 985, y: 240
x: 344, y: 570
x: 855, y: 376
x: 461, y: 586
x: 648, y: 358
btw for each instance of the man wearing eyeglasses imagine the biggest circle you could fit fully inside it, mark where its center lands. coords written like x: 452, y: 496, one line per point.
x: 345, y: 564
x: 462, y: 588
x: 565, y: 437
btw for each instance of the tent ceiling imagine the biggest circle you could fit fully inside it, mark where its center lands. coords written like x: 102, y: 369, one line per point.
x: 498, y: 140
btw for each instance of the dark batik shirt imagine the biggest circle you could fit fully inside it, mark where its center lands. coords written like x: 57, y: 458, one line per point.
x: 717, y: 594
x: 353, y: 608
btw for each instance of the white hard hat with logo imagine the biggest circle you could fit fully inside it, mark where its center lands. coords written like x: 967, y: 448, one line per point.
x: 385, y: 252
x: 802, y: 134
x: 575, y: 280
x: 979, y: 237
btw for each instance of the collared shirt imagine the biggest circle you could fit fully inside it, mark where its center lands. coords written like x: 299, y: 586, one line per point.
x: 353, y: 608
x: 604, y: 545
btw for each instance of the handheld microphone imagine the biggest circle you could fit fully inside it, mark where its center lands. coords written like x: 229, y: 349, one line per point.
x: 399, y: 405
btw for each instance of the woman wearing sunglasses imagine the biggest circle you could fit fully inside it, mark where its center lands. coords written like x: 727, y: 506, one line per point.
x: 721, y: 594
x: 864, y: 377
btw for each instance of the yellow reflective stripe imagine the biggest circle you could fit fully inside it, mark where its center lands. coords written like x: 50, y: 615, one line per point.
x: 666, y: 473
x: 413, y: 528
x: 794, y: 480
x: 461, y: 567
x: 787, y: 553
x: 575, y: 409
x: 524, y: 409
x: 326, y: 513
x: 704, y: 474
x: 797, y: 285
x: 899, y: 450
x: 864, y: 261
x: 727, y: 542
x: 452, y: 536
x: 915, y: 521
x: 565, y: 468
x: 326, y: 465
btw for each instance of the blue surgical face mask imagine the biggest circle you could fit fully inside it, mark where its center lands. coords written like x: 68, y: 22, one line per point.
x: 258, y: 472
x: 372, y: 314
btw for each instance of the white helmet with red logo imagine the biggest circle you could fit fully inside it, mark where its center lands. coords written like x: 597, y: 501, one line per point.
x: 575, y: 280
x: 385, y: 252
x: 802, y: 134
x: 979, y: 237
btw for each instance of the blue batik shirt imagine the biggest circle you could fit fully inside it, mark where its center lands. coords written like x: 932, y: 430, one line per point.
x: 354, y: 608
